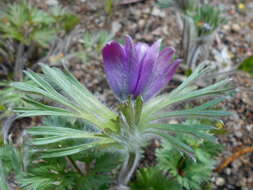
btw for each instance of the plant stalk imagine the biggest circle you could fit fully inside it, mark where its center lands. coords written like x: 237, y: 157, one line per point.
x: 19, y: 64
x: 194, y: 55
x: 128, y: 169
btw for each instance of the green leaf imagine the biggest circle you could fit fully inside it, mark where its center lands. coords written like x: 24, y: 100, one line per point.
x: 247, y: 65
x: 181, y: 127
x: 59, y: 152
x: 44, y: 37
x: 196, y: 130
x: 209, y: 104
x: 56, y: 134
x: 177, y: 143
x: 186, y: 92
x: 188, y: 173
x: 64, y: 89
x: 3, y: 181
x: 153, y: 179
x: 192, y: 113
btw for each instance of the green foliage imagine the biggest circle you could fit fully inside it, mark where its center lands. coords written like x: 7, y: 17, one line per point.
x: 191, y: 174
x: 63, y: 88
x: 247, y: 65
x: 64, y: 19
x: 91, y: 170
x: 95, y: 41
x: 200, y: 22
x: 58, y: 174
x: 27, y: 24
x: 184, y: 6
x: 99, y: 176
x: 109, y: 6
x: 9, y: 97
x: 207, y: 20
x: 153, y: 179
x: 125, y: 132
x: 11, y: 161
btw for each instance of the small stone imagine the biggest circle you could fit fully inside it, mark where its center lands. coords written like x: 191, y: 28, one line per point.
x: 148, y: 37
x: 52, y: 2
x: 141, y: 23
x: 136, y: 13
x: 236, y: 27
x: 226, y: 27
x: 236, y: 164
x: 157, y: 143
x: 158, y: 31
x: 238, y: 134
x: 228, y: 171
x: 133, y: 27
x: 220, y: 181
x: 146, y: 10
x: 116, y: 27
x: 249, y: 128
x: 158, y: 12
x: 173, y: 121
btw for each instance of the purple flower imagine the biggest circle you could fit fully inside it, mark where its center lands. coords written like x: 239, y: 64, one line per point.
x: 138, y: 69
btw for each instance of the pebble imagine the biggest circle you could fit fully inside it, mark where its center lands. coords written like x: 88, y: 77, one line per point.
x: 158, y: 31
x: 146, y: 10
x: 133, y: 27
x: 141, y: 23
x: 236, y: 27
x: 226, y: 27
x: 136, y: 13
x: 236, y: 164
x: 249, y: 127
x: 158, y: 12
x: 220, y: 181
x: 228, y: 171
x: 116, y: 27
x: 238, y: 134
x: 52, y: 2
x: 148, y: 37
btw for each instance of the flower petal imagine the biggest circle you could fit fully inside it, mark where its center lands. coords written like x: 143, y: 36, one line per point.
x: 146, y: 67
x: 133, y: 63
x: 162, y: 73
x: 116, y: 68
x: 141, y: 49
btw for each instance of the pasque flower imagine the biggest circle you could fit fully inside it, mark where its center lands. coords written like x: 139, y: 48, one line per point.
x: 138, y: 69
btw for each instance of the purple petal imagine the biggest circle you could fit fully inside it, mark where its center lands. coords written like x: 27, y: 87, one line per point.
x: 141, y: 49
x: 145, y: 68
x: 132, y: 61
x: 162, y: 73
x: 116, y: 68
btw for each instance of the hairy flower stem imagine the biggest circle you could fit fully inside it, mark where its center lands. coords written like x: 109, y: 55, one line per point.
x: 128, y: 169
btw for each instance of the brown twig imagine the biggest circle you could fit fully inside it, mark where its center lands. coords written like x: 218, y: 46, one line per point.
x: 233, y: 157
x: 75, y: 165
